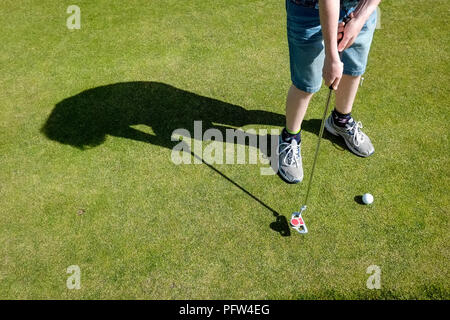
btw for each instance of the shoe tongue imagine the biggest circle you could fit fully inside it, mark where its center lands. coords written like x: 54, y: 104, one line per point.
x: 294, y: 143
x: 349, y: 124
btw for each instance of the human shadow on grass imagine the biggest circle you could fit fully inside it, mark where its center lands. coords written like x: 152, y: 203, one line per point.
x: 86, y: 119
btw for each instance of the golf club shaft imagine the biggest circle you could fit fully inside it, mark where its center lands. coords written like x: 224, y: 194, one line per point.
x: 322, y: 125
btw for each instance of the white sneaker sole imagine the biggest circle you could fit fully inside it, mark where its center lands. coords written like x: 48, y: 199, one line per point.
x: 286, y: 179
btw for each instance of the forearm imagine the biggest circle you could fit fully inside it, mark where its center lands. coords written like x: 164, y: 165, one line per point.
x: 365, y: 8
x: 329, y: 17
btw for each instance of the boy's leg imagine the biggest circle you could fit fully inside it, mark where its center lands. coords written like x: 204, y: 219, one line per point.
x: 296, y: 104
x: 340, y: 122
x: 306, y: 61
x: 346, y: 93
x: 289, y: 157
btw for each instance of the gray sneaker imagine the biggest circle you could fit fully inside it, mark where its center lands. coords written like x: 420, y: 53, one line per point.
x: 290, y: 161
x: 356, y: 140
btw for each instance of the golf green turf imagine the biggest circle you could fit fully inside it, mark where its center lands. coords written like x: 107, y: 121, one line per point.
x: 109, y: 199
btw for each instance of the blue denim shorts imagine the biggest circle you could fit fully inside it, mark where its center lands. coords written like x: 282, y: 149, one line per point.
x: 306, y: 47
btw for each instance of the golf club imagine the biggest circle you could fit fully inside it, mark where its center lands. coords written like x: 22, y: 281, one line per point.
x: 297, y: 221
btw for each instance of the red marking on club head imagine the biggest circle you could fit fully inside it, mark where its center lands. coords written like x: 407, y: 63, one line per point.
x: 301, y: 221
x: 295, y: 222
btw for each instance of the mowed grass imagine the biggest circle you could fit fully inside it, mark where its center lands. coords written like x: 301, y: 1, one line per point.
x: 150, y: 229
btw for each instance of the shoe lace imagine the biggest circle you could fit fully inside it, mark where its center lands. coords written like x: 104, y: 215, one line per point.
x: 292, y: 156
x: 355, y: 130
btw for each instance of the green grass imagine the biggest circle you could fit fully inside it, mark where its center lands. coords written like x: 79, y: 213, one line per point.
x: 152, y: 229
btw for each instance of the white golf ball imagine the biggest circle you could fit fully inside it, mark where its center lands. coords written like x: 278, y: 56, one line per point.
x: 367, y: 198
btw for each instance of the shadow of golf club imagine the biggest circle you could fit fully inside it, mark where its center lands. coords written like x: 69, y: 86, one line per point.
x: 280, y: 225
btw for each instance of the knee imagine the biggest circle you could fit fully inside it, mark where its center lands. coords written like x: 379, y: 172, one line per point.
x: 300, y: 92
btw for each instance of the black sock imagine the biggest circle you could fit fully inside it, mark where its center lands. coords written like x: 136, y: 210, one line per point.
x: 287, y: 137
x: 341, y: 119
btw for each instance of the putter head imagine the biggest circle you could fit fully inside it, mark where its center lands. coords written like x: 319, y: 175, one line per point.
x: 297, y: 221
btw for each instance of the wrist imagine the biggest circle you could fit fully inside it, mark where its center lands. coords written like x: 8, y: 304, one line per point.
x: 360, y: 19
x: 332, y: 55
x: 364, y: 9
